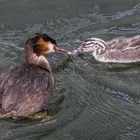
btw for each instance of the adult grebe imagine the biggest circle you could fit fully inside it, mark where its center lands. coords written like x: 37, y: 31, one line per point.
x: 118, y: 50
x: 25, y: 88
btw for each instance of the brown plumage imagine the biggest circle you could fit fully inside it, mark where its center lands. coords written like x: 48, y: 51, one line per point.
x: 25, y: 88
x: 118, y: 50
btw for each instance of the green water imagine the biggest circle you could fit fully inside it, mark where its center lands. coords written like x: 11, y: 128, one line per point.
x: 100, y: 101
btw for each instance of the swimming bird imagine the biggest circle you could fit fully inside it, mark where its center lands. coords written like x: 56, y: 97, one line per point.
x: 25, y: 88
x: 117, y: 50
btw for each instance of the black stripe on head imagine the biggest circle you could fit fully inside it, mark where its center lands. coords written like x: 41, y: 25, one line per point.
x: 45, y: 37
x: 92, y: 40
x: 48, y: 38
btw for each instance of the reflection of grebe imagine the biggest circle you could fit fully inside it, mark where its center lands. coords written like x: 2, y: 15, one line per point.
x: 118, y: 50
x: 24, y: 89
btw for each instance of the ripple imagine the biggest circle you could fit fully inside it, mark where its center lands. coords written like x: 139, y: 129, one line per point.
x: 101, y: 101
x: 128, y: 133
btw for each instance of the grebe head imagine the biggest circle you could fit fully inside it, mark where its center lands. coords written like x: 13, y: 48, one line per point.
x: 44, y: 44
x: 91, y: 45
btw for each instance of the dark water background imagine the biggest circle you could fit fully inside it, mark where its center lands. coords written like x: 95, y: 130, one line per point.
x: 101, y: 101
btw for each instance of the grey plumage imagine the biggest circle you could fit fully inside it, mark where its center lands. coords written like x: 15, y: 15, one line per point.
x: 118, y: 50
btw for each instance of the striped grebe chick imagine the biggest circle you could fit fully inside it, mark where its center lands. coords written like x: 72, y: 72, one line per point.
x: 117, y: 50
x: 25, y: 88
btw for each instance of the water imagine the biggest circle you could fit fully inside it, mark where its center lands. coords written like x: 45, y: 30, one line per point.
x: 101, y: 101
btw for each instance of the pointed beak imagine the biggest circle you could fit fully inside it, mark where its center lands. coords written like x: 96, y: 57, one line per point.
x: 61, y: 51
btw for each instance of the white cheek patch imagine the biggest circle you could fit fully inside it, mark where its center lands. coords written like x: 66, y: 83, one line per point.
x: 50, y: 48
x: 89, y: 49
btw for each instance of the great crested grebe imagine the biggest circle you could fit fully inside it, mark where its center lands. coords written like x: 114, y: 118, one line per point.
x: 25, y: 88
x: 118, y: 50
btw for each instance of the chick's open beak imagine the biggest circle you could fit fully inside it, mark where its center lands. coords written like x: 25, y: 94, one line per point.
x: 61, y: 50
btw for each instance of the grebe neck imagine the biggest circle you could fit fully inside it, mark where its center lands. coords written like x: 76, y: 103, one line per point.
x: 99, y: 49
x: 32, y: 58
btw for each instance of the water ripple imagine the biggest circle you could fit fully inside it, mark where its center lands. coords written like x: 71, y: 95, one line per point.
x: 101, y: 101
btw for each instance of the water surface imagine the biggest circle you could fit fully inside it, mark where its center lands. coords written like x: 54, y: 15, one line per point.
x: 101, y: 100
